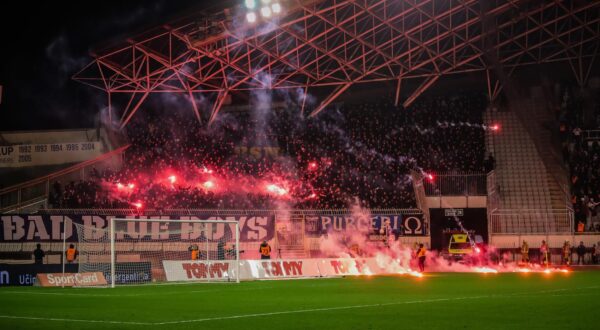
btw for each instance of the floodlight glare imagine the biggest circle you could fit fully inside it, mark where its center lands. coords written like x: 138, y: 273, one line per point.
x: 251, y: 17
x: 265, y: 11
x: 250, y: 4
x: 276, y: 7
x: 266, y: 2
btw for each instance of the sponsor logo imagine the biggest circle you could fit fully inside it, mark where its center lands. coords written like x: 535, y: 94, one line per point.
x: 454, y: 212
x: 202, y: 270
x: 285, y: 268
x: 27, y: 279
x: 343, y: 267
x: 79, y: 279
x: 413, y: 226
x: 129, y: 277
x: 4, y: 278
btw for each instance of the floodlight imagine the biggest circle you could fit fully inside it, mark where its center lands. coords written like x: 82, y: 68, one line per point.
x: 265, y: 12
x: 251, y: 17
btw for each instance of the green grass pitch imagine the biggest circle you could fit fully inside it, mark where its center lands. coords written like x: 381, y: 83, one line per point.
x: 437, y: 301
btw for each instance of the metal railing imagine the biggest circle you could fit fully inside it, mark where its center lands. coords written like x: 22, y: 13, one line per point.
x: 528, y: 221
x: 493, y: 198
x: 224, y: 212
x: 467, y: 184
x: 591, y: 134
x: 25, y: 194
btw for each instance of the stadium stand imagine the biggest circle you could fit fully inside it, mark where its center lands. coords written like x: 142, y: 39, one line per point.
x: 363, y: 150
x: 581, y: 153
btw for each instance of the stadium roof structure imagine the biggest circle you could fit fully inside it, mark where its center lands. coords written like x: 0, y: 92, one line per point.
x: 334, y: 44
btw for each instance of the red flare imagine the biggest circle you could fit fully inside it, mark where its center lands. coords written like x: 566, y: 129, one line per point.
x: 276, y: 190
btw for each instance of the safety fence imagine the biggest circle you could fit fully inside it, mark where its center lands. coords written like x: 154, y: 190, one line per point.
x: 464, y: 184
x: 531, y: 221
x: 227, y: 212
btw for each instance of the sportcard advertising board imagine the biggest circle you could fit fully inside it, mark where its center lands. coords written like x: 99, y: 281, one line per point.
x: 73, y: 279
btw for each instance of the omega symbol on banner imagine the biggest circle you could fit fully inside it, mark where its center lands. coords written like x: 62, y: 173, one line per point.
x: 413, y: 226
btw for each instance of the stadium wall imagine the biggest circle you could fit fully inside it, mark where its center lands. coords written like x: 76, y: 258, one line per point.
x: 554, y: 241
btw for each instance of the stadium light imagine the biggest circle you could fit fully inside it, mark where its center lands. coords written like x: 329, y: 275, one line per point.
x: 265, y: 12
x: 266, y: 9
x: 276, y: 8
x: 251, y: 17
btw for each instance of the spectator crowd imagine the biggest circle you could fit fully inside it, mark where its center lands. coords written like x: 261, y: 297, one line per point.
x: 577, y: 114
x: 263, y: 159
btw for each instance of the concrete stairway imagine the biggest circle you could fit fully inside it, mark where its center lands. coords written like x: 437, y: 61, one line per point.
x: 521, y: 176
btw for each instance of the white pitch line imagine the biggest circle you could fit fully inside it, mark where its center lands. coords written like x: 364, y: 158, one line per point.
x: 56, y: 294
x: 32, y: 318
x: 324, y: 309
x: 158, y: 293
x: 133, y: 294
x: 298, y: 311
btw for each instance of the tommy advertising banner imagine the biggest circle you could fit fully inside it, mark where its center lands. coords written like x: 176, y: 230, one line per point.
x: 218, y: 270
x: 401, y: 225
x: 223, y: 270
x: 48, y: 228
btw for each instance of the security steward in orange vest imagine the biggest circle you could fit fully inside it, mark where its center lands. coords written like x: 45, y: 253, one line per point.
x: 71, y: 253
x: 566, y: 253
x: 194, y: 252
x: 544, y: 260
x: 265, y: 250
x: 525, y: 252
x: 421, y: 256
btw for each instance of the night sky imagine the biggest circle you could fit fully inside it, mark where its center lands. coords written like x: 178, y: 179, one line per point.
x: 44, y: 43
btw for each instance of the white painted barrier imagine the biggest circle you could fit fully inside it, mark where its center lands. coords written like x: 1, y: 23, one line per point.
x: 271, y: 269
